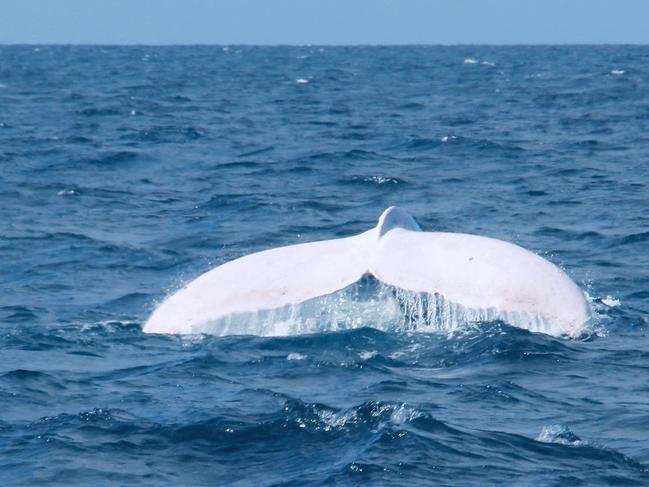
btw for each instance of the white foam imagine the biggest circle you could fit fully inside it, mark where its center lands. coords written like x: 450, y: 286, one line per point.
x: 368, y: 355
x: 559, y: 434
x: 295, y: 356
x: 301, y: 81
x: 598, y: 313
x: 617, y: 72
x: 380, y: 180
x: 396, y: 415
x: 332, y: 420
x: 404, y: 414
x: 470, y: 61
x: 111, y: 326
x: 611, y: 302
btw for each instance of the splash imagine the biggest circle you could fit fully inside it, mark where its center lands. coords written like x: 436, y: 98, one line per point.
x: 560, y: 434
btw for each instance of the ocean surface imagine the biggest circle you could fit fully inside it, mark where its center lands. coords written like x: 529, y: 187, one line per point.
x: 127, y: 171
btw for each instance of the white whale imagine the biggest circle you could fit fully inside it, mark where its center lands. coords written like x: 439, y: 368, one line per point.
x: 496, y: 279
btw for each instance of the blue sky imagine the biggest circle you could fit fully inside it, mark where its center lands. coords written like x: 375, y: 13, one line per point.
x: 324, y: 21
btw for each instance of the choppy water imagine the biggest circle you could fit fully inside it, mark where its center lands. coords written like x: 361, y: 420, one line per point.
x: 128, y: 171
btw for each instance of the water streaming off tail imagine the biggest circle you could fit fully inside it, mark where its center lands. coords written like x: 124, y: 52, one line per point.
x: 367, y: 303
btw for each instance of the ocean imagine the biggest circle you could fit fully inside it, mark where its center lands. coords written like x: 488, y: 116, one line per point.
x: 128, y: 171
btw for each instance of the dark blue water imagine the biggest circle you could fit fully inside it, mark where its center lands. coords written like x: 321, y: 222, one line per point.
x: 128, y: 171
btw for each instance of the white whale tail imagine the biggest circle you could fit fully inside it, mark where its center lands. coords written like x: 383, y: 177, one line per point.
x: 496, y: 279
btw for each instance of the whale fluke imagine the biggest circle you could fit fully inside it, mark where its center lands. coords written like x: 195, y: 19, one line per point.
x: 497, y: 279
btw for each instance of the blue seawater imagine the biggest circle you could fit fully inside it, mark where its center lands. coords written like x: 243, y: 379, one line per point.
x: 127, y: 171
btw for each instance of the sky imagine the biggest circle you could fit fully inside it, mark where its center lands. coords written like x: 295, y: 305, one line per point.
x: 324, y: 21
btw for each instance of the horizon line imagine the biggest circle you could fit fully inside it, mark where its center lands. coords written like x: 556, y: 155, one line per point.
x: 246, y: 44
